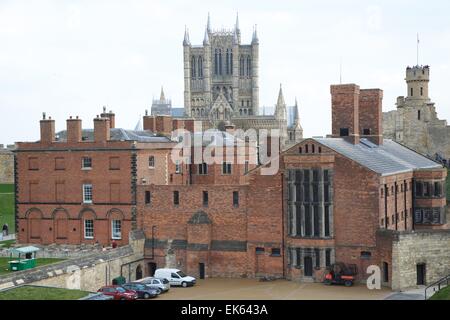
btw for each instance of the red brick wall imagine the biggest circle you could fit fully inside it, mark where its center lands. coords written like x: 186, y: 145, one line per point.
x: 370, y: 113
x: 345, y: 110
x: 62, y: 190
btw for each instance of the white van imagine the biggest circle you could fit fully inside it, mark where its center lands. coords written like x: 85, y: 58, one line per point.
x: 176, y: 277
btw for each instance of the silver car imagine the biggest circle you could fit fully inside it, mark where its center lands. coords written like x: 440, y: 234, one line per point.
x: 162, y: 285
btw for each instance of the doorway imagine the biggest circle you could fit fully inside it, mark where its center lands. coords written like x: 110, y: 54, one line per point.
x: 385, y: 272
x: 151, y: 269
x: 308, y: 266
x: 201, y: 270
x: 138, y: 272
x: 421, y: 274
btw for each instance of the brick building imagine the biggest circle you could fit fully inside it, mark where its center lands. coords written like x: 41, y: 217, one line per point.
x: 341, y: 198
x: 352, y: 197
x: 79, y: 185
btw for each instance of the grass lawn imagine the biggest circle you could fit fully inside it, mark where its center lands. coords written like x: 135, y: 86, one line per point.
x: 39, y: 262
x: 7, y: 206
x: 6, y: 188
x: 41, y: 293
x: 444, y: 294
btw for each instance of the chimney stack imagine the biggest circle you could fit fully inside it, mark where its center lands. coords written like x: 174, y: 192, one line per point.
x: 370, y: 115
x: 47, y: 129
x: 102, y: 129
x: 345, y: 111
x: 74, y: 130
x: 111, y: 116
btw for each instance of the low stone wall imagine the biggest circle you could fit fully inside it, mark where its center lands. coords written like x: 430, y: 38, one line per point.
x: 431, y: 247
x: 87, y: 273
x: 60, y: 251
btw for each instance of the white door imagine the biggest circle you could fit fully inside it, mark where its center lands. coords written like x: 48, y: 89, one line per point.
x: 175, y: 279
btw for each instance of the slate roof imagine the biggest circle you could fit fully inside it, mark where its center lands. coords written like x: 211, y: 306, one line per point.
x: 386, y: 159
x: 118, y: 134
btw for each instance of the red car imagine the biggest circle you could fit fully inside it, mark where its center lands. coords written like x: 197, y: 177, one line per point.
x: 119, y: 293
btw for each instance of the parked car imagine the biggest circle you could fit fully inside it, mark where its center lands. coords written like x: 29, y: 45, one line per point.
x: 176, y: 277
x: 118, y: 292
x: 142, y: 290
x: 98, y: 296
x: 161, y: 284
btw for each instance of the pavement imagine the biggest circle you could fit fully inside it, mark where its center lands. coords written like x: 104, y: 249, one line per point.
x: 414, y: 294
x: 252, y: 289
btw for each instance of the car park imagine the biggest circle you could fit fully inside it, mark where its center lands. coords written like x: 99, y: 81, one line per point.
x: 163, y: 285
x: 118, y: 293
x: 176, y: 277
x: 142, y: 290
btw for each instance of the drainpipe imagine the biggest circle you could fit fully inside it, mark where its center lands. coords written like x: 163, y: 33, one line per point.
x: 386, y: 190
x: 282, y: 224
x: 396, y: 209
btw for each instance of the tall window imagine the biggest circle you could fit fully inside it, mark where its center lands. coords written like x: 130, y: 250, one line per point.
x: 246, y: 166
x: 418, y: 114
x: 216, y: 62
x: 226, y: 168
x: 220, y: 61
x: 176, y: 198
x: 421, y: 91
x: 205, y: 198
x: 227, y: 62
x: 177, y: 166
x: 89, y: 229
x: 241, y: 67
x: 148, y: 197
x: 116, y: 229
x: 200, y: 67
x: 151, y: 162
x: 86, y: 163
x: 87, y: 193
x: 203, y: 168
x: 236, y: 199
x: 412, y: 92
x: 193, y: 67
x: 249, y: 66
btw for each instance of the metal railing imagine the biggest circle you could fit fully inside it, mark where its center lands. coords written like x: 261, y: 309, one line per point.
x: 437, y: 285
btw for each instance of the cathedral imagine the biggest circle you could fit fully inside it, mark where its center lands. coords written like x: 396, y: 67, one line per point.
x: 221, y: 86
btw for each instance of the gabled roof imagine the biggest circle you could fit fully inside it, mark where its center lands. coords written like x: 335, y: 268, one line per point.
x: 386, y: 159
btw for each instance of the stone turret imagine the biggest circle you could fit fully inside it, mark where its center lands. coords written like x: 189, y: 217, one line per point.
x: 417, y: 79
x: 187, y: 72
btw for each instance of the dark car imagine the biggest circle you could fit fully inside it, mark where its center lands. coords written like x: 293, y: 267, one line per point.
x: 142, y: 290
x: 118, y: 293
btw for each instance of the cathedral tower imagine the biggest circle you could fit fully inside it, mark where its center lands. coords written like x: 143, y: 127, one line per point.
x: 221, y: 75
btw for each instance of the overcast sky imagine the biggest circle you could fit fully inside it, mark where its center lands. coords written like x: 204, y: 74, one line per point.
x: 72, y: 57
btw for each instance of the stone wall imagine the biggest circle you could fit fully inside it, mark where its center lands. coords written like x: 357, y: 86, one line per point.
x: 431, y: 247
x: 6, y: 166
x: 87, y: 273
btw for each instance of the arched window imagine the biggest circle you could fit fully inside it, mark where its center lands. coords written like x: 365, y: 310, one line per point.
x: 249, y: 66
x: 200, y: 67
x: 241, y: 66
x: 193, y: 67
